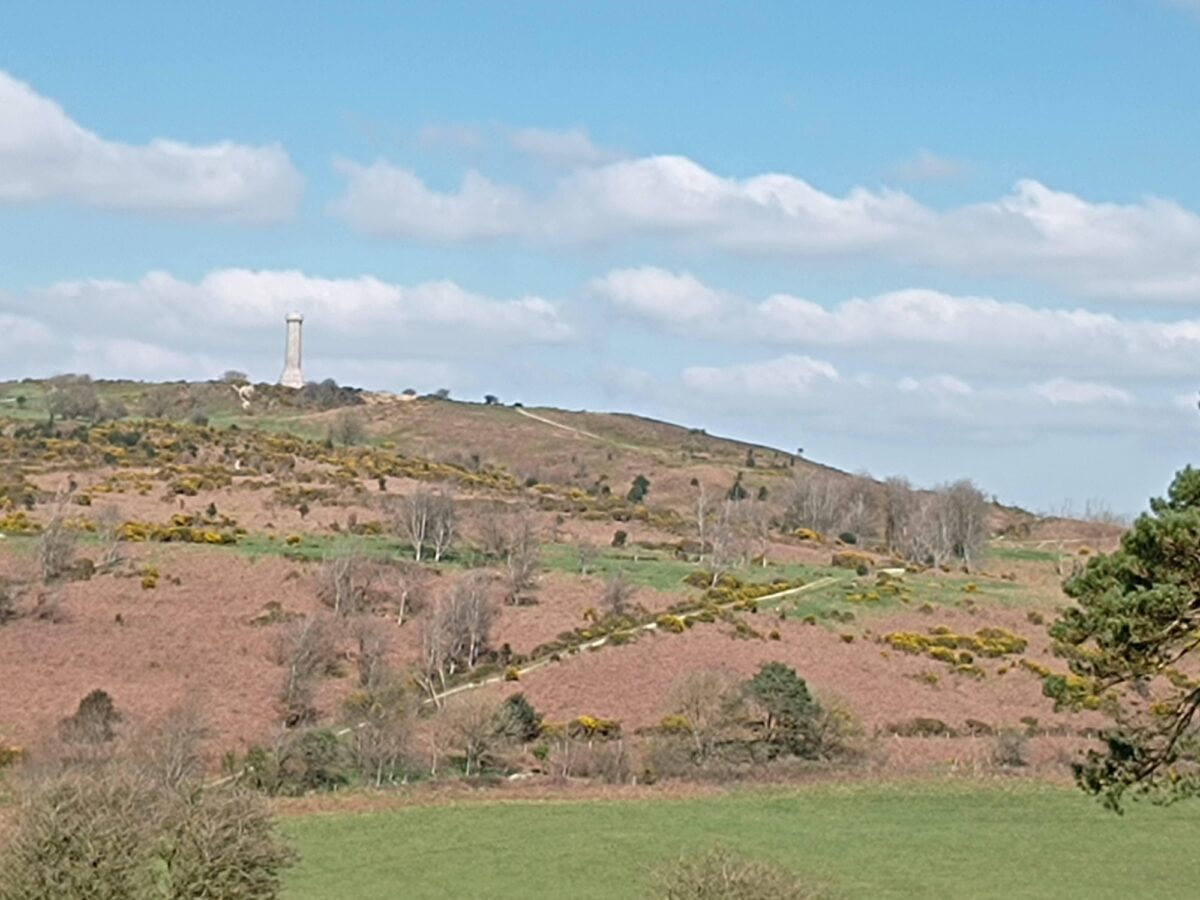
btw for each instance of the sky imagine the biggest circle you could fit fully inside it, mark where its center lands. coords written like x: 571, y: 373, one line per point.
x: 939, y: 239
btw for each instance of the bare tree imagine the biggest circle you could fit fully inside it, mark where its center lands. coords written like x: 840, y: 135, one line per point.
x: 618, y: 592
x: 710, y: 704
x: 427, y: 518
x: 471, y: 721
x: 947, y: 523
x: 443, y: 528
x: 168, y: 751
x: 831, y: 504
x: 494, y: 532
x: 73, y: 397
x: 56, y: 547
x: 703, y: 514
x: 307, y: 649
x: 371, y: 646
x: 108, y: 527
x: 347, y: 428
x: 728, y: 541
x: 413, y: 519
x: 588, y: 553
x: 756, y: 524
x: 380, y: 738
x: 345, y: 582
x: 523, y: 560
x: 899, y: 511
x: 407, y: 585
x: 456, y: 634
x: 962, y: 513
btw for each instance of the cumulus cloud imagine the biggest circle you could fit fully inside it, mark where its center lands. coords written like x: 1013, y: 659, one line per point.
x: 1059, y: 391
x: 664, y: 297
x: 44, y: 154
x: 569, y: 147
x: 1145, y: 250
x: 787, y: 377
x: 908, y: 327
x: 479, y: 208
x: 165, y: 327
x: 932, y: 409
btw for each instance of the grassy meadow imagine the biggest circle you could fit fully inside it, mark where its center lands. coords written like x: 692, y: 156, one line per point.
x: 868, y: 841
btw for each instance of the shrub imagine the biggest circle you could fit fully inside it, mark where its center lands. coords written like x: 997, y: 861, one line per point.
x: 94, y: 722
x: 518, y: 720
x: 56, y: 550
x: 921, y: 727
x: 110, y: 832
x: 851, y: 559
x: 9, y: 596
x: 721, y: 874
x: 1009, y: 749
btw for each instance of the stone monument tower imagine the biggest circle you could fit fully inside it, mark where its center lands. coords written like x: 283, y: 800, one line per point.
x: 291, y: 376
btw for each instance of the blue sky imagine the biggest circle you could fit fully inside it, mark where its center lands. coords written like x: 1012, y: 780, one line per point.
x: 940, y: 239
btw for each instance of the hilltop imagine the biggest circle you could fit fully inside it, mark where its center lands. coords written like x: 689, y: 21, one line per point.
x: 205, y: 526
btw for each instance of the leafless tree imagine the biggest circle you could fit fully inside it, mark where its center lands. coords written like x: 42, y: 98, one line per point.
x: 443, y: 528
x: 756, y: 521
x: 899, y: 511
x: 371, y: 643
x: 426, y: 517
x: 380, y: 739
x: 710, y: 703
x: 407, y: 586
x: 108, y: 527
x: 347, y: 428
x: 456, y: 634
x: 831, y: 504
x: 345, y: 582
x: 73, y: 397
x: 962, y: 513
x: 494, y: 531
x: 588, y: 553
x: 523, y: 559
x: 727, y: 539
x: 307, y: 649
x: 471, y: 721
x: 168, y: 750
x: 618, y: 592
x: 56, y: 547
x: 947, y: 523
x: 703, y: 510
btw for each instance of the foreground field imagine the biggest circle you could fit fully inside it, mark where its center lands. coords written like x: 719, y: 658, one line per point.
x: 873, y: 841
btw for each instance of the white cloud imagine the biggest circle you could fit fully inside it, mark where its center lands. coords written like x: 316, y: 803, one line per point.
x: 44, y: 154
x: 1145, y: 250
x: 916, y: 328
x: 789, y: 376
x: 570, y: 147
x: 926, y: 166
x: 161, y: 326
x: 1059, y: 391
x: 935, y: 410
x: 478, y: 209
x: 660, y: 296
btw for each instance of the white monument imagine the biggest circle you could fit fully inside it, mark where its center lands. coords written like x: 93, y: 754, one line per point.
x: 292, y: 376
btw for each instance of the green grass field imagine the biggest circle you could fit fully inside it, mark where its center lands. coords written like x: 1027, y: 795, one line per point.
x: 864, y: 841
